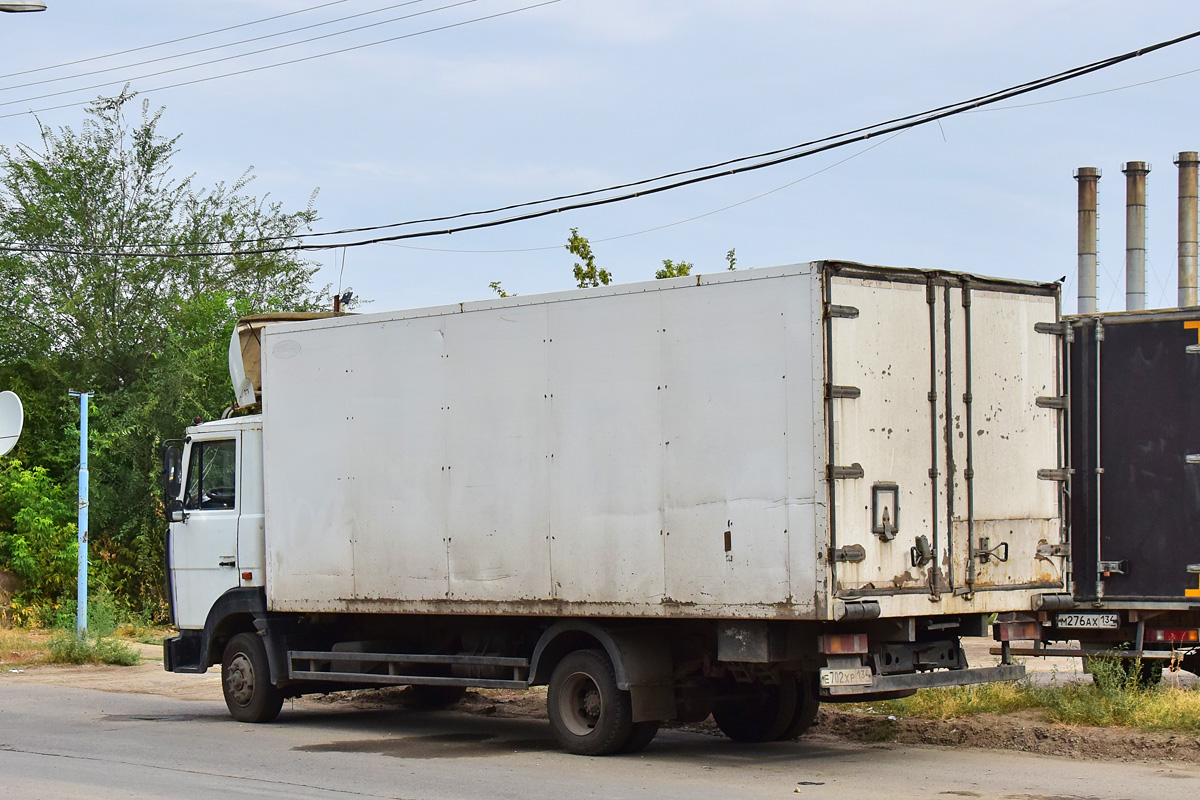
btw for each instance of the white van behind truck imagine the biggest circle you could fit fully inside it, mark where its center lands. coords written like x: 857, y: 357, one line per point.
x: 740, y: 494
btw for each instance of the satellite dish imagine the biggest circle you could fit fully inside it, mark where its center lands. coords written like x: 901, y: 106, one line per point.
x: 12, y: 418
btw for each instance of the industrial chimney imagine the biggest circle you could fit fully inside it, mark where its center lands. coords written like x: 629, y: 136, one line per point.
x: 1187, y: 162
x: 1088, y: 177
x: 1135, y: 234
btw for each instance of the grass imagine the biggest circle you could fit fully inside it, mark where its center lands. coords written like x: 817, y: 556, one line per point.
x: 20, y: 648
x: 1114, y: 698
x: 23, y: 648
x: 66, y: 647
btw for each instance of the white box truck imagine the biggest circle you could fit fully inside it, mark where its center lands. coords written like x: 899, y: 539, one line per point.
x: 740, y: 494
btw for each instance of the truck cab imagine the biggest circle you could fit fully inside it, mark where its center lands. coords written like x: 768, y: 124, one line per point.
x: 215, y: 545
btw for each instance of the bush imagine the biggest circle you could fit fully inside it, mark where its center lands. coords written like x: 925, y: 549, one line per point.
x: 37, y: 539
x: 68, y: 648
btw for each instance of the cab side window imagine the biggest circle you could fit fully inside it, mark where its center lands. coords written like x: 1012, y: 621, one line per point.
x: 212, y: 475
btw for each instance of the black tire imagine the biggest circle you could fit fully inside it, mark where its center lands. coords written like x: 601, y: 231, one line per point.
x: 246, y: 680
x: 589, y: 714
x: 642, y: 734
x: 756, y: 712
x: 808, y: 702
x: 434, y: 697
x: 1191, y: 663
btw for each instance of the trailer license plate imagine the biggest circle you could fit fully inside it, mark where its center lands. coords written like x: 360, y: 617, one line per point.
x: 1104, y: 620
x: 860, y: 676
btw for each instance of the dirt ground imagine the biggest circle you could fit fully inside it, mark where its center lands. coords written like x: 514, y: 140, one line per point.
x: 1023, y: 731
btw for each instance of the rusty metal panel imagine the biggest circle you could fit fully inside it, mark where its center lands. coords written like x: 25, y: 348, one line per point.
x: 1013, y: 366
x: 936, y: 421
x: 885, y: 353
x: 1011, y: 438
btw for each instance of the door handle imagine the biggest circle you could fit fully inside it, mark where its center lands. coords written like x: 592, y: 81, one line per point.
x: 229, y: 563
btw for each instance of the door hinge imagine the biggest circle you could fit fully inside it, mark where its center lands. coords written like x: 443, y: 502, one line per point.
x: 835, y: 392
x: 841, y: 312
x: 1112, y: 567
x: 1062, y: 474
x: 1059, y: 402
x: 1053, y: 551
x: 920, y: 553
x: 851, y: 472
x: 1052, y: 328
x: 850, y: 554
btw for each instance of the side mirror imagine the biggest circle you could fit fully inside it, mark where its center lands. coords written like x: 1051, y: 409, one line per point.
x: 172, y: 470
x: 175, y: 512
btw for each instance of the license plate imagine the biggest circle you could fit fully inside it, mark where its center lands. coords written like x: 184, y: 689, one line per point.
x: 860, y: 676
x: 1092, y: 620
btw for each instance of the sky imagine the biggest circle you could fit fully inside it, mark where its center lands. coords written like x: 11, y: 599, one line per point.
x: 582, y: 94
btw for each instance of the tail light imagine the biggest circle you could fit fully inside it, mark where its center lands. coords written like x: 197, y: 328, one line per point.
x: 1173, y: 635
x: 1017, y: 631
x: 840, y: 644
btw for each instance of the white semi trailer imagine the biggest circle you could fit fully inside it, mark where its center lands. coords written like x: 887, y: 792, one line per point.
x: 740, y: 494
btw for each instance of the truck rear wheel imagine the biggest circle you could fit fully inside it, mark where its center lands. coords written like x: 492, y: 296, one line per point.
x: 246, y: 680
x: 1191, y: 663
x: 589, y: 714
x: 807, y: 705
x: 756, y: 712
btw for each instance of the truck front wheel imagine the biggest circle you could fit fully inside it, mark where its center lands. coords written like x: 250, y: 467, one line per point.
x: 589, y: 714
x: 246, y: 680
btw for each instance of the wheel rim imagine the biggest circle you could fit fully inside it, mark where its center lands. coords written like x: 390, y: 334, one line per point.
x: 239, y: 682
x: 580, y: 705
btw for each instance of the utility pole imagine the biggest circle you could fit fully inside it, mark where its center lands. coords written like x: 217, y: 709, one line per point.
x: 81, y: 592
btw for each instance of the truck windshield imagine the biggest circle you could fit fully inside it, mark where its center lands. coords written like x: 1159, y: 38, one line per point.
x: 212, y: 475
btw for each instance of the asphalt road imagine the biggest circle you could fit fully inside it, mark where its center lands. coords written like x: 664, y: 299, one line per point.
x: 58, y: 742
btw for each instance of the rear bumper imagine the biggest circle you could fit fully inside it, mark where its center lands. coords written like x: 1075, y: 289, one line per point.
x: 933, y: 679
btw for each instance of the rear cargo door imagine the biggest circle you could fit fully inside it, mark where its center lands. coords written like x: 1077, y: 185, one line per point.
x: 937, y: 435
x: 1138, y: 483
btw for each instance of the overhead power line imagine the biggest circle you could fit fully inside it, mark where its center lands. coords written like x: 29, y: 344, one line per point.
x: 172, y: 41
x: 973, y: 105
x: 276, y: 64
x: 271, y: 49
x: 214, y: 47
x: 644, y: 187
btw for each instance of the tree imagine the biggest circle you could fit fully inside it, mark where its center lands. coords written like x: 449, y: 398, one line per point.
x: 498, y: 289
x: 87, y: 306
x: 671, y: 269
x: 586, y: 274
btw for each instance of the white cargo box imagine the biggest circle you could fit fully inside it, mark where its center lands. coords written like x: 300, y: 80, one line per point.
x: 769, y: 443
